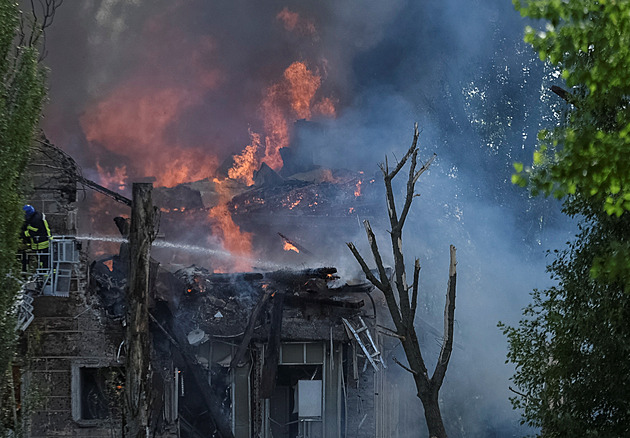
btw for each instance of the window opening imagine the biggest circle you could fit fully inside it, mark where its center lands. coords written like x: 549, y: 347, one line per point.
x: 286, y: 418
x: 97, y: 393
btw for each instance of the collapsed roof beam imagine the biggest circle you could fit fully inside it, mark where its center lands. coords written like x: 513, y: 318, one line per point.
x: 105, y: 191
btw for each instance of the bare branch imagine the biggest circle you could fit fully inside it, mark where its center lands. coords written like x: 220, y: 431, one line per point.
x: 411, y: 186
x: 390, y: 332
x: 364, y: 267
x: 388, y: 177
x: 564, y: 94
x: 401, y: 163
x: 449, y: 322
x: 383, y: 287
x: 525, y: 396
x: 391, y: 204
x: 404, y: 367
x: 375, y: 252
x: 399, y: 266
x: 41, y: 17
x: 414, y: 290
x: 424, y: 167
x: 383, y: 284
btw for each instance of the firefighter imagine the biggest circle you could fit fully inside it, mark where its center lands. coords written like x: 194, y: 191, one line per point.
x: 36, y: 235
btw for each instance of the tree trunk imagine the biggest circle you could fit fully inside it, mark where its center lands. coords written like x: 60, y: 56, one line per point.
x: 137, y: 378
x: 432, y: 415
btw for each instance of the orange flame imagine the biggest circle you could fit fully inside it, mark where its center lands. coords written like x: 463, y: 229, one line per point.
x: 246, y: 163
x: 286, y: 101
x: 297, y: 91
x: 134, y: 120
x: 237, y: 242
x: 290, y: 247
x: 325, y: 107
x: 302, y: 85
x: 114, y: 180
x: 357, y: 190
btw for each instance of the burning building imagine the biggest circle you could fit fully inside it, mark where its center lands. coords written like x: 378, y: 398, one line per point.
x: 273, y: 352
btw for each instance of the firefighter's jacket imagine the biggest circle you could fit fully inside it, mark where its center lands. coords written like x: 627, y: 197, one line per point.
x: 35, y: 232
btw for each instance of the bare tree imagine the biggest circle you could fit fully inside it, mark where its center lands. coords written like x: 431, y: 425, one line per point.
x: 401, y: 306
x: 33, y: 25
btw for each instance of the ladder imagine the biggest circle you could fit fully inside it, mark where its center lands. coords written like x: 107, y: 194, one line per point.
x: 366, y: 342
x: 24, y: 305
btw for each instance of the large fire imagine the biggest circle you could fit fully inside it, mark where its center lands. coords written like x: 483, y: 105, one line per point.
x: 290, y: 99
x: 133, y: 122
x: 131, y: 129
x: 286, y: 101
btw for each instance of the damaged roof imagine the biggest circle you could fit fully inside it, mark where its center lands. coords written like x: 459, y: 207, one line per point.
x: 222, y: 305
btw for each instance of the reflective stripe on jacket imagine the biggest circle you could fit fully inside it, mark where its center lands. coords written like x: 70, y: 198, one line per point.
x: 36, y: 232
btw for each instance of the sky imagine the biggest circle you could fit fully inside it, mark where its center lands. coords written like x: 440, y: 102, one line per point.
x: 172, y: 89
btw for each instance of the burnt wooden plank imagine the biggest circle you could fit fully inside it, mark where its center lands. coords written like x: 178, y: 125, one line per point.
x: 299, y: 300
x: 272, y: 352
x: 249, y: 331
x: 230, y: 278
x: 200, y: 375
x: 291, y: 277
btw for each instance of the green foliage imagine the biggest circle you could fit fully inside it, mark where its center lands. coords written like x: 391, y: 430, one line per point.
x: 21, y: 96
x: 572, y: 348
x: 589, y: 42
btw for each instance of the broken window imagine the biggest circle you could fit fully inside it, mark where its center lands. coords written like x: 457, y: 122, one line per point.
x: 296, y: 401
x: 295, y: 408
x: 96, y: 393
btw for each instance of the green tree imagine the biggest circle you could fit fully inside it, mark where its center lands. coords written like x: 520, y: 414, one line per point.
x: 589, y: 43
x: 21, y: 97
x: 571, y: 349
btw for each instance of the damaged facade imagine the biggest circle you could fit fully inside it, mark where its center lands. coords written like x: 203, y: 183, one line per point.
x: 278, y: 353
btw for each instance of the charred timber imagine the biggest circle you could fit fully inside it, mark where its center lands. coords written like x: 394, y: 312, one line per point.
x: 292, y: 277
x: 211, y: 399
x: 353, y: 288
x: 230, y: 278
x: 249, y: 331
x: 272, y: 353
x: 300, y: 300
x: 105, y: 191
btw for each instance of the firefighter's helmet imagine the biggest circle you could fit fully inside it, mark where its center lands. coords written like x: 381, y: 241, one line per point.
x: 28, y: 210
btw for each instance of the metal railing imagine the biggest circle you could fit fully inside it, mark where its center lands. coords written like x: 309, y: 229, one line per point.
x: 49, y: 271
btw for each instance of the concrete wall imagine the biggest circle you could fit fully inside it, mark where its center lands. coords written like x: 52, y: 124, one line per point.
x: 49, y: 185
x: 68, y: 332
